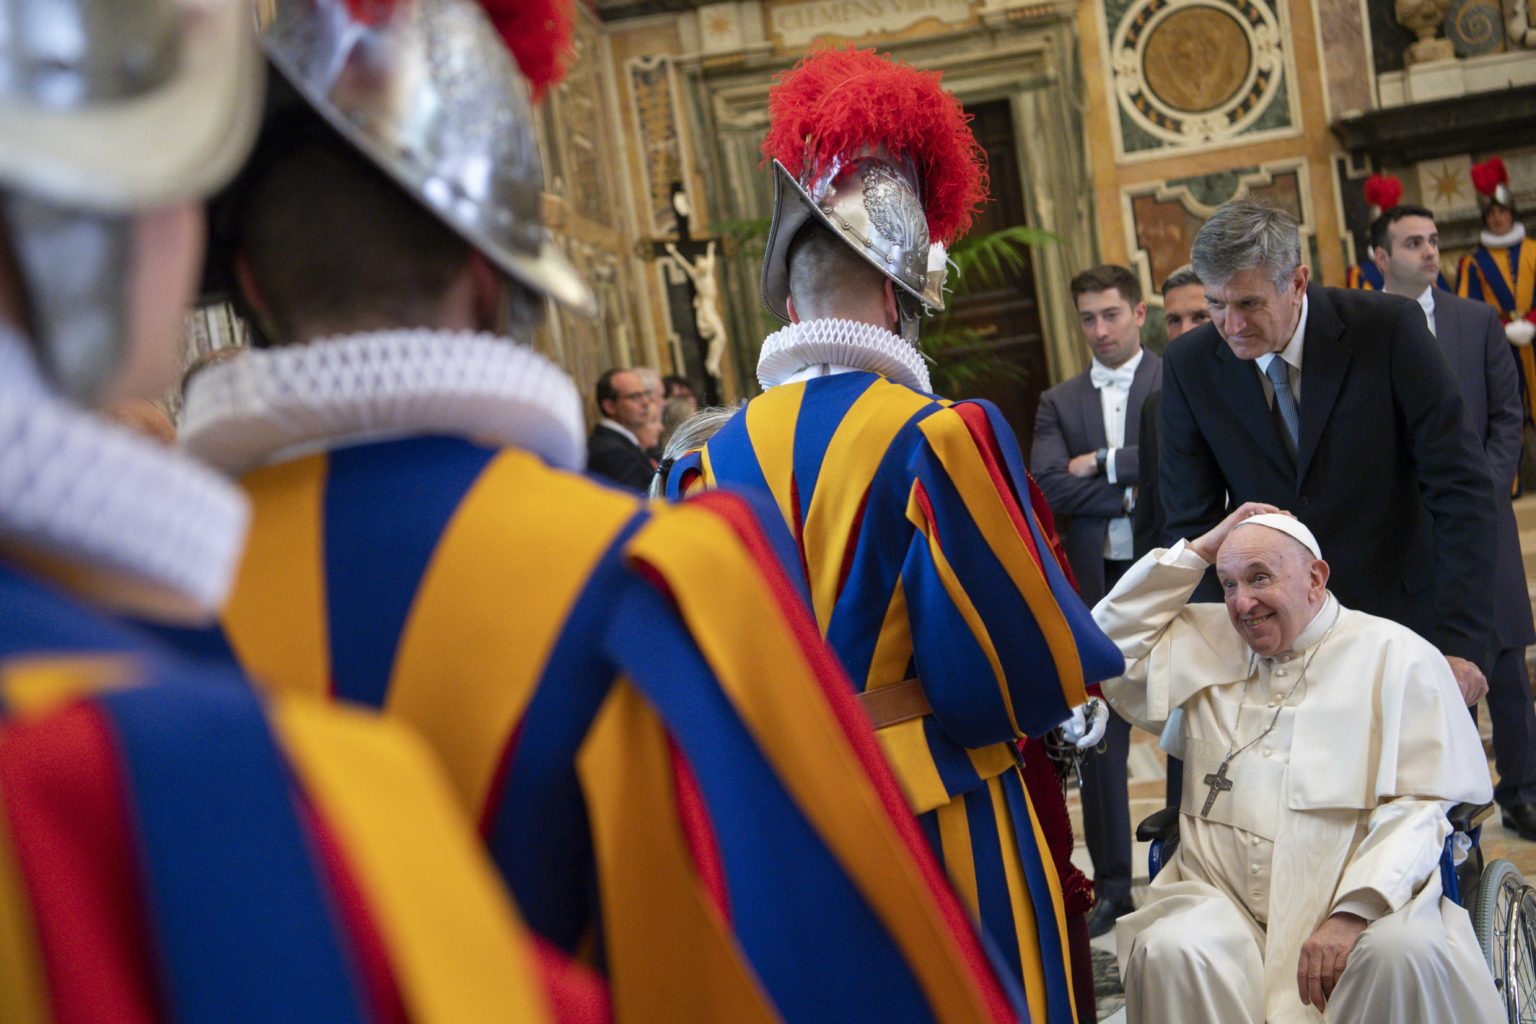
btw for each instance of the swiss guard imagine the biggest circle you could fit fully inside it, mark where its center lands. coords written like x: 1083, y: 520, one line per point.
x: 915, y: 521
x: 1501, y: 271
x: 664, y: 759
x: 171, y: 847
x: 1382, y: 193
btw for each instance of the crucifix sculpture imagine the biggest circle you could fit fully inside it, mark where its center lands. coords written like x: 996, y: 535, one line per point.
x: 695, y: 302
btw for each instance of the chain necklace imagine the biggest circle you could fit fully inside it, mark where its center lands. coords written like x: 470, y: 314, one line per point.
x: 1217, y: 781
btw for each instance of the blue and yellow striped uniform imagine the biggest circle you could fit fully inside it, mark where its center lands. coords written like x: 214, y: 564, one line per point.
x: 172, y: 848
x: 638, y: 711
x: 1505, y: 279
x: 925, y: 560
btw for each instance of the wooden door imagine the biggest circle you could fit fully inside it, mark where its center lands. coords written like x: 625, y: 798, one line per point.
x: 1006, y: 315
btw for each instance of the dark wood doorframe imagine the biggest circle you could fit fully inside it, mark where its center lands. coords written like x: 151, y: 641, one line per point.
x: 1007, y: 315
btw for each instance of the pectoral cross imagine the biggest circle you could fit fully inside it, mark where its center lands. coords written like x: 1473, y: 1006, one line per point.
x: 1218, y: 783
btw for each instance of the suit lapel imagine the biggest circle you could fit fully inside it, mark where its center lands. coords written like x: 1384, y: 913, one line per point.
x: 1141, y: 387
x: 1092, y: 407
x: 1238, y: 382
x: 1324, y: 362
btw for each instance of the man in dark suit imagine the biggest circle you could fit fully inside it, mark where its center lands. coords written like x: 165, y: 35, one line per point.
x: 1183, y: 311
x: 615, y: 451
x: 1406, y: 247
x: 1338, y: 406
x: 1085, y: 459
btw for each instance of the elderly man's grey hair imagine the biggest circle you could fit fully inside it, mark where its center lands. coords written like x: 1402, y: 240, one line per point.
x: 691, y: 435
x: 1244, y: 234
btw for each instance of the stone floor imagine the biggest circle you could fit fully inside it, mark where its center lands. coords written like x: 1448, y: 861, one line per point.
x: 1147, y: 774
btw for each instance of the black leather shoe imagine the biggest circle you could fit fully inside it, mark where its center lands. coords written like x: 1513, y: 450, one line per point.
x: 1101, y: 919
x: 1520, y: 817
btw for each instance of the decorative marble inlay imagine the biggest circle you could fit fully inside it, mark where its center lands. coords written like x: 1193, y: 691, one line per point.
x: 1190, y: 73
x: 1163, y: 217
x: 1475, y: 27
x: 1196, y: 59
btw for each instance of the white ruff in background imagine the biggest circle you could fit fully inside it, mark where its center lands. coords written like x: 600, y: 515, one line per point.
x: 270, y: 405
x: 840, y: 342
x: 74, y: 486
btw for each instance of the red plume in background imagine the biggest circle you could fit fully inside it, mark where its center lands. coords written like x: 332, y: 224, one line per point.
x: 538, y: 32
x: 1383, y: 191
x: 1489, y: 175
x: 835, y: 103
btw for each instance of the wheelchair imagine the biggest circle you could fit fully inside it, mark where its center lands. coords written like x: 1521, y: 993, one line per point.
x: 1501, y: 903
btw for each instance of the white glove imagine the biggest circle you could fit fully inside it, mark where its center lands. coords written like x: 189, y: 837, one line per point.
x: 1519, y: 332
x: 1086, y: 727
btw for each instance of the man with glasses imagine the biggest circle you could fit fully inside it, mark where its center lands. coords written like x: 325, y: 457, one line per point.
x: 614, y: 451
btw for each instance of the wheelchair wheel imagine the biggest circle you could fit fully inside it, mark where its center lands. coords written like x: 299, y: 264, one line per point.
x: 1505, y: 922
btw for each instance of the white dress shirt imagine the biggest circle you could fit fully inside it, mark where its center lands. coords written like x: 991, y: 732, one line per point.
x: 1115, y: 398
x: 1427, y: 300
x: 1292, y: 356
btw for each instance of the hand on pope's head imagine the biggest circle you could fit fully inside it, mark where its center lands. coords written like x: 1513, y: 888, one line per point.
x: 1207, y: 544
x: 1324, y: 956
x: 1086, y: 727
x: 1469, y: 679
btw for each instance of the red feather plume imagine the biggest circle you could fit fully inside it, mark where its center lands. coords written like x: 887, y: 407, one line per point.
x: 538, y: 32
x: 1383, y: 191
x: 1489, y: 175
x: 834, y: 103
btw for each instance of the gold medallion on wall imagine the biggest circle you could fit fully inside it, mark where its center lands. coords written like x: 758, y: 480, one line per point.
x: 1197, y: 73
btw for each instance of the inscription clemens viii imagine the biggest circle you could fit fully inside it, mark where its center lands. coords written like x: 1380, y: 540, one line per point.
x: 796, y: 24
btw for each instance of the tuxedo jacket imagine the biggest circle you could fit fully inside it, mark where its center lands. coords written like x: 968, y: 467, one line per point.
x: 1473, y: 342
x: 1387, y: 474
x: 1069, y: 423
x: 616, y: 458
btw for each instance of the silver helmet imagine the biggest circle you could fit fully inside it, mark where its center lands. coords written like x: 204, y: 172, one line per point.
x: 428, y: 92
x: 872, y: 203
x: 879, y: 153
x: 107, y: 108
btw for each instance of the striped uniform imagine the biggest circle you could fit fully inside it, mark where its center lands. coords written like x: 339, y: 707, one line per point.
x: 170, y: 849
x: 629, y: 693
x: 926, y: 561
x: 1506, y: 279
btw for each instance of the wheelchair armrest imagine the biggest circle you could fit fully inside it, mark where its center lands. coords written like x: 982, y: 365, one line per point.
x: 1164, y: 824
x: 1466, y: 817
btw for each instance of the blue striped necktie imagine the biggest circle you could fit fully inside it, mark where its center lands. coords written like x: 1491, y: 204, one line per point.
x: 1279, y: 374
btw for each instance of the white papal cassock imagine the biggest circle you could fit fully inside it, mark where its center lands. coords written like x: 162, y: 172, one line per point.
x: 1341, y: 807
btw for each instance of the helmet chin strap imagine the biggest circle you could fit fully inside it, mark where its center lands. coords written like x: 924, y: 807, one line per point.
x: 74, y: 268
x: 909, y: 316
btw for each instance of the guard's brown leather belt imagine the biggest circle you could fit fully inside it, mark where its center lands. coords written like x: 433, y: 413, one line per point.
x: 900, y: 702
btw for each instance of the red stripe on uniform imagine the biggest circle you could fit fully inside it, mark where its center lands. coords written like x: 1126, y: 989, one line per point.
x: 576, y: 992
x: 67, y: 808
x: 498, y: 786
x: 975, y: 419
x: 699, y: 831
x: 839, y: 693
x: 370, y: 957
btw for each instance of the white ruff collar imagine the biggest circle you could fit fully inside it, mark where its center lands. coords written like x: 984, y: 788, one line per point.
x: 270, y: 405
x: 1504, y: 241
x: 101, y: 498
x: 847, y: 342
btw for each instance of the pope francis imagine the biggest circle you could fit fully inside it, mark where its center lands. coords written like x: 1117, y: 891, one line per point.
x: 1321, y: 749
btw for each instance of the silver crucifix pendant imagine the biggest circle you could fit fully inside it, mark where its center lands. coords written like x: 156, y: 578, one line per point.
x: 1218, y: 783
